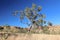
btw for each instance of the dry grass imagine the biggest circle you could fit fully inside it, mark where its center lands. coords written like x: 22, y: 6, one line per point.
x: 34, y: 37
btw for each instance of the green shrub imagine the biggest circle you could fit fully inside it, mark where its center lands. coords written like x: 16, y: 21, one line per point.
x: 45, y: 30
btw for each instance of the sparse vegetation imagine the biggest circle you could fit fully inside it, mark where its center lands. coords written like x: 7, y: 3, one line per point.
x: 37, y: 20
x: 45, y: 30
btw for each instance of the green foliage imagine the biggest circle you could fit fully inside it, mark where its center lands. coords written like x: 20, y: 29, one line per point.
x: 1, y: 28
x: 45, y: 30
x: 22, y: 31
x: 50, y: 24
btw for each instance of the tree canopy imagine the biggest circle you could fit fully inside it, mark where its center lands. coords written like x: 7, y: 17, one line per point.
x: 33, y: 14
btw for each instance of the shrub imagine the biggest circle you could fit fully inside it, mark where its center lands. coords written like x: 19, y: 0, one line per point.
x: 45, y: 30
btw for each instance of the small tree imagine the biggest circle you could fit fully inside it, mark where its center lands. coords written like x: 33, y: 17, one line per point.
x: 33, y: 14
x: 50, y: 24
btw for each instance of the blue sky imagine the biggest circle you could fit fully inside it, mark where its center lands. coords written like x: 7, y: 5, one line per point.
x: 50, y: 7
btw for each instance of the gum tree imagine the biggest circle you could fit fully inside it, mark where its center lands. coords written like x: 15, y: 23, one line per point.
x: 33, y: 14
